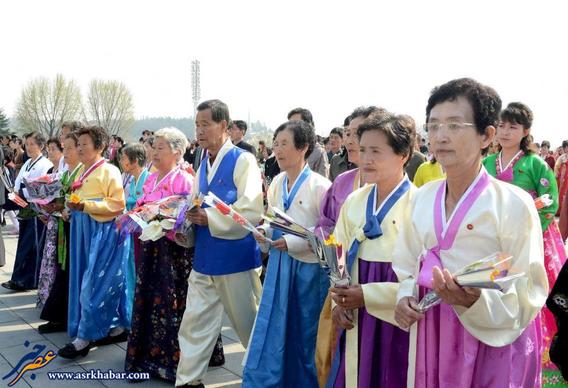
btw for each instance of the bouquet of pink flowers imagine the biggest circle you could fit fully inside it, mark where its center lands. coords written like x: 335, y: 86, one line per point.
x: 44, y: 189
x: 156, y: 219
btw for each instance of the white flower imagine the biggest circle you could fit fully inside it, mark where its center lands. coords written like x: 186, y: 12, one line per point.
x: 152, y: 232
x: 168, y: 223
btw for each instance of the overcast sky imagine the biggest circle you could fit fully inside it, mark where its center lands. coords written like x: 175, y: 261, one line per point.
x: 264, y: 58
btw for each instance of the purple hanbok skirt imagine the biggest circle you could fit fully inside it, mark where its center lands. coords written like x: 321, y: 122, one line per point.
x: 383, y: 348
x: 447, y: 355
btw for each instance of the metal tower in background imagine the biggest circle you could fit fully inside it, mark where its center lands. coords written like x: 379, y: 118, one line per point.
x: 195, y: 85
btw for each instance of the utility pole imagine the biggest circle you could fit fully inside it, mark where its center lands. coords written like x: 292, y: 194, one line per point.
x: 195, y: 85
x: 249, y: 123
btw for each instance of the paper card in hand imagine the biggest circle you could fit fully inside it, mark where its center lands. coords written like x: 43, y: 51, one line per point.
x: 491, y: 272
x: 279, y: 220
x: 332, y: 258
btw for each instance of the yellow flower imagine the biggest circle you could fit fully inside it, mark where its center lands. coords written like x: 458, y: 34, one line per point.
x: 331, y: 241
x: 494, y: 274
x: 197, y: 202
x: 74, y: 198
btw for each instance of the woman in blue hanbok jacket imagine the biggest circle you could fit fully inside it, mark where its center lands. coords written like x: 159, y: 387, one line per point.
x: 282, y: 348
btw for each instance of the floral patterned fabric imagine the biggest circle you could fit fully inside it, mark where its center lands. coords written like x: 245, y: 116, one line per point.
x: 553, y: 378
x: 158, y: 309
x: 52, y: 247
x: 48, y: 262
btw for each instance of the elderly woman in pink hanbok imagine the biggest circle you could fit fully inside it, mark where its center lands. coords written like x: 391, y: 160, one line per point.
x: 164, y: 267
x: 474, y: 338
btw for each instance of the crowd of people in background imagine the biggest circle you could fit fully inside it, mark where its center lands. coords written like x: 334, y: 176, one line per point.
x: 409, y: 206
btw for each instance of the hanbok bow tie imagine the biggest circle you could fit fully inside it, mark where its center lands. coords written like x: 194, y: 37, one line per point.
x: 445, y: 241
x: 429, y: 260
x: 371, y: 230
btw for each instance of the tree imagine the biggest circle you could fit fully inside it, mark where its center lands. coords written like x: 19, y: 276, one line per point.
x: 44, y: 105
x: 4, y: 122
x: 110, y: 106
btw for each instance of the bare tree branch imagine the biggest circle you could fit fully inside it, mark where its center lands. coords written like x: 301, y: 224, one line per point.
x: 44, y: 105
x: 110, y: 105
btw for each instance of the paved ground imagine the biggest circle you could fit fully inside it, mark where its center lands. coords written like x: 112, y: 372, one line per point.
x: 19, y: 320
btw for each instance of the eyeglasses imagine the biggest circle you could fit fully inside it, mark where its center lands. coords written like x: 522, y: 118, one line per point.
x: 452, y: 127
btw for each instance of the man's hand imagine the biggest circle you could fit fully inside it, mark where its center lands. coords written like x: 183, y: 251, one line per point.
x: 259, y: 237
x: 340, y: 317
x: 349, y: 298
x: 197, y: 216
x: 280, y: 244
x: 406, y: 312
x: 450, y: 292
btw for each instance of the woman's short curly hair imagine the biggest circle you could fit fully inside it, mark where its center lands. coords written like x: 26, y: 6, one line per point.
x: 38, y: 138
x: 303, y: 135
x: 400, y: 131
x: 98, y: 135
x: 73, y: 136
x: 136, y: 153
x: 484, y: 101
